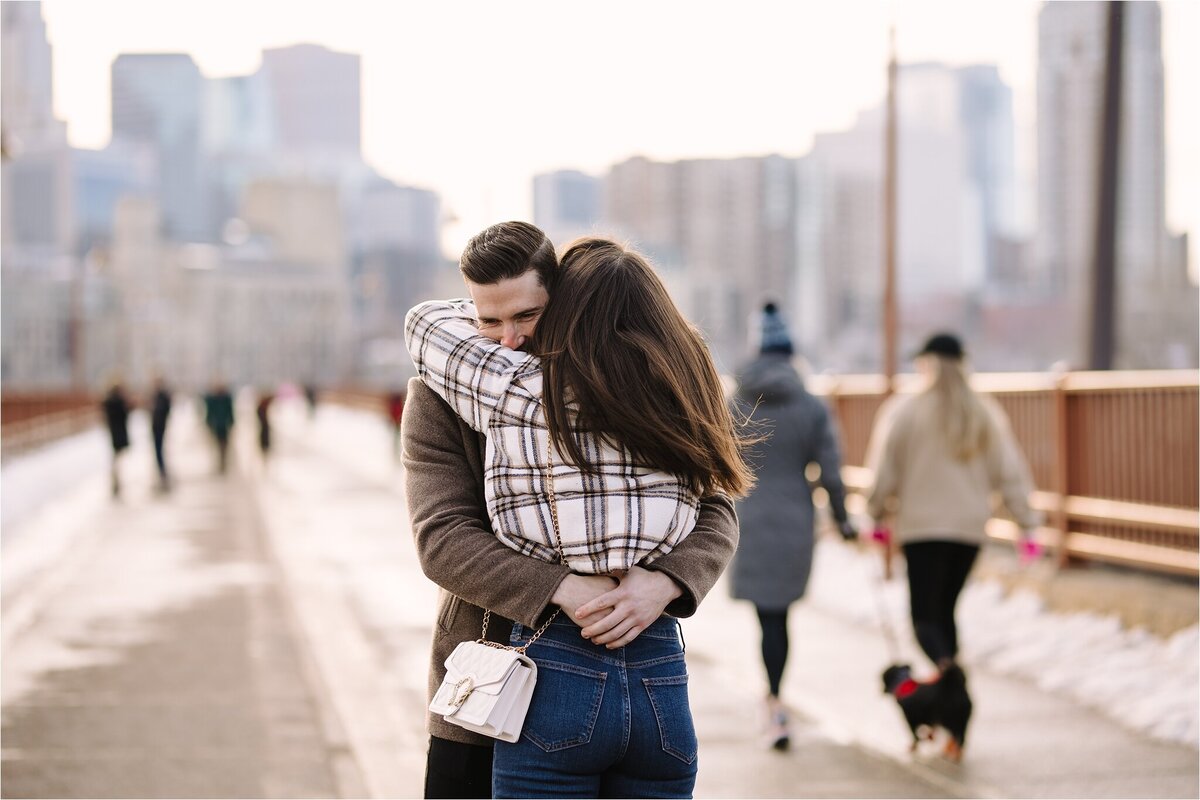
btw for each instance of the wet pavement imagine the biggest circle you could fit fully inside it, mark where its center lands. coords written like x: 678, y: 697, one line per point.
x: 165, y: 663
x: 266, y: 634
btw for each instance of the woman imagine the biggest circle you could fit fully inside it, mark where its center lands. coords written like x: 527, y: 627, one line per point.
x: 619, y: 402
x: 938, y: 458
x: 775, y: 551
x: 115, y: 406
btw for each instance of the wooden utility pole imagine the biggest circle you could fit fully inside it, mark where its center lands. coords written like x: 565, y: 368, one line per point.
x: 889, y: 224
x: 1102, y: 328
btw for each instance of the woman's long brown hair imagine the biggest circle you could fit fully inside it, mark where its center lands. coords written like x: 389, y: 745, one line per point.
x: 616, y: 349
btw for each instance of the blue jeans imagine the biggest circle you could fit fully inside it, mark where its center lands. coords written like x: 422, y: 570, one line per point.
x: 602, y: 723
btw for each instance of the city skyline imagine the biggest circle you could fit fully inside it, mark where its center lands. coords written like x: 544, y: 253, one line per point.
x: 722, y: 107
x: 254, y: 185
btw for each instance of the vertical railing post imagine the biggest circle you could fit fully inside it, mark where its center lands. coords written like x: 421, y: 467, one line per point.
x: 891, y: 168
x: 1062, y: 468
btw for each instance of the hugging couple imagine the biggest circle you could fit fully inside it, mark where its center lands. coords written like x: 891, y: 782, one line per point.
x: 569, y: 395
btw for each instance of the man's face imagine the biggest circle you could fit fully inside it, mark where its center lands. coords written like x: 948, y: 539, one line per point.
x: 508, y: 310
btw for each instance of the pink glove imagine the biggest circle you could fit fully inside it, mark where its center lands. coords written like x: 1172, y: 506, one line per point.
x: 1028, y: 551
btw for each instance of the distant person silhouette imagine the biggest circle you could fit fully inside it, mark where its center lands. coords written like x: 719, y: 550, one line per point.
x: 116, y: 415
x: 218, y: 415
x: 160, y: 409
x: 262, y: 411
x: 310, y: 395
x: 395, y: 410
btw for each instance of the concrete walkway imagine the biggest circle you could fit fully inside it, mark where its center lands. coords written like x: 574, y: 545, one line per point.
x: 163, y: 660
x: 266, y: 635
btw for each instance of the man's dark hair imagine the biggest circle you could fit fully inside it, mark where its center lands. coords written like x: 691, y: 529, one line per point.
x: 509, y: 250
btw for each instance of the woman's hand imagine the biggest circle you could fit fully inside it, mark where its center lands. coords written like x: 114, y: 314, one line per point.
x: 1027, y: 547
x: 576, y: 590
x: 636, y: 603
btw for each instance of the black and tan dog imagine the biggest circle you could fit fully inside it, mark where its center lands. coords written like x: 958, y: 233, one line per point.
x: 940, y: 703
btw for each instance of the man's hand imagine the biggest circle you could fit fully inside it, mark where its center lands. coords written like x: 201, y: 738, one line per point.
x: 576, y: 590
x: 636, y: 603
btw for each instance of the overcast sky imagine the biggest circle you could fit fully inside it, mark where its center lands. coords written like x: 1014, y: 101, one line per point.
x: 473, y: 98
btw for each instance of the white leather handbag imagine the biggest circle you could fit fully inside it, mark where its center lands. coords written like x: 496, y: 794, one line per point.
x: 487, y: 689
x: 488, y: 686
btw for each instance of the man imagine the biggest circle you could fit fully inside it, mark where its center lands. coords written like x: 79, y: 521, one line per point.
x: 116, y: 414
x: 510, y: 271
x: 160, y: 409
x: 218, y: 415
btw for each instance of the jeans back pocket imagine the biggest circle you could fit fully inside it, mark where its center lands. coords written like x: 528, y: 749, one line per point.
x: 673, y: 712
x: 565, y: 705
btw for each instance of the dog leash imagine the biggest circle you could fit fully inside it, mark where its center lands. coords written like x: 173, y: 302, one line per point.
x: 883, y: 535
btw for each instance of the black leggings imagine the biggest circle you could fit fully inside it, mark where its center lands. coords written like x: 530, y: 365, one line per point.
x: 774, y: 645
x: 936, y: 574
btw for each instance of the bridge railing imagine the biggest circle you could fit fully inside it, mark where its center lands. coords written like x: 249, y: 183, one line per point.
x: 1115, y: 456
x: 32, y: 419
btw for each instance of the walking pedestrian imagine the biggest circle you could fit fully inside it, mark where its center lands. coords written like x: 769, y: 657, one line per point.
x: 395, y: 412
x: 775, y: 552
x: 262, y: 411
x: 938, y: 458
x: 218, y: 415
x: 310, y: 397
x: 625, y: 743
x: 160, y: 409
x: 116, y: 407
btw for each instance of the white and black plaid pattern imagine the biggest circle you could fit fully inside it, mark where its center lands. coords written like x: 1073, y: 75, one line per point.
x: 621, y: 515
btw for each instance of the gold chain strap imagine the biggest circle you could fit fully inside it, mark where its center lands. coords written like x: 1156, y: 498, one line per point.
x: 487, y: 614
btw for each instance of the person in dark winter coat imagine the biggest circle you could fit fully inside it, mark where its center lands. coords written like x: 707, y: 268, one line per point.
x: 160, y: 409
x: 773, y: 561
x: 262, y: 411
x: 218, y: 415
x: 116, y: 415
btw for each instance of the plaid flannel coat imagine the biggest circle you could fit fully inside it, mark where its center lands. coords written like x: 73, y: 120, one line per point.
x: 611, y: 519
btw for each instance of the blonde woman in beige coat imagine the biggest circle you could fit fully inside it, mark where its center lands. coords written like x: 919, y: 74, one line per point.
x: 940, y: 457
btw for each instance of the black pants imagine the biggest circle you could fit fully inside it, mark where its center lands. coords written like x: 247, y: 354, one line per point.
x: 222, y: 451
x: 774, y: 645
x: 454, y: 769
x: 159, y: 458
x: 937, y: 571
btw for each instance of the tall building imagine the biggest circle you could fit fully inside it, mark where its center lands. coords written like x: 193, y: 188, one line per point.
x: 567, y: 204
x: 157, y: 101
x: 396, y: 256
x: 237, y: 115
x: 1156, y: 303
x: 721, y: 232
x: 942, y: 237
x: 301, y: 219
x: 316, y: 99
x: 250, y: 314
x: 839, y: 284
x: 986, y: 116
x: 26, y: 98
x: 37, y: 201
x: 101, y: 179
x: 955, y: 183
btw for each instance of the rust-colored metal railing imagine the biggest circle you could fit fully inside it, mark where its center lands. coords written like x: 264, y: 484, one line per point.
x: 29, y: 420
x: 1115, y: 457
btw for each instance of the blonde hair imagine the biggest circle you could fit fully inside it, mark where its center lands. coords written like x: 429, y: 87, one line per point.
x: 966, y: 424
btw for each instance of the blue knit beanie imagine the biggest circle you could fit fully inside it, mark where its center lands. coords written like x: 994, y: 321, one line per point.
x: 775, y: 337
